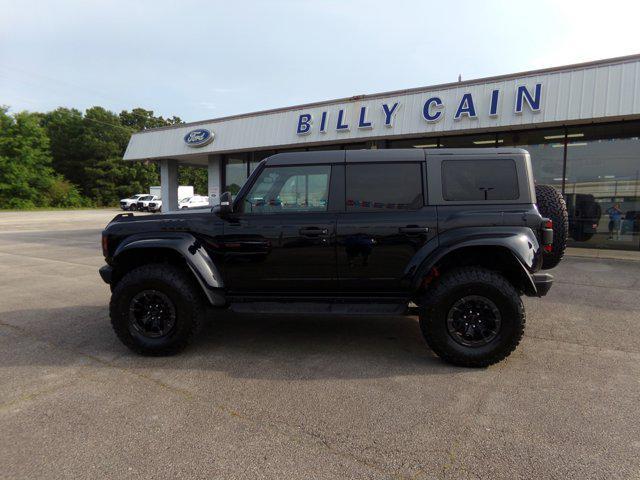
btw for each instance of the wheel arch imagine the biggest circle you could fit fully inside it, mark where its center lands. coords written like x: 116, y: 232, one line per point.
x: 183, y: 250
x: 497, y: 256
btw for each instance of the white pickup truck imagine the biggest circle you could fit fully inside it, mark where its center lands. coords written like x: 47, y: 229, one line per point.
x: 143, y: 202
x: 131, y: 203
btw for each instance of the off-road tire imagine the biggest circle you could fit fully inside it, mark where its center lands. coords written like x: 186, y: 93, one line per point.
x: 551, y: 205
x: 177, y: 285
x: 461, y: 282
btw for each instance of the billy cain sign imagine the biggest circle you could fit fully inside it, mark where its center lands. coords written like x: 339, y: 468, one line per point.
x: 433, y: 111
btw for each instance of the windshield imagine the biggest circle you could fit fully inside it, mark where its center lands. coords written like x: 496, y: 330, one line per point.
x: 185, y: 199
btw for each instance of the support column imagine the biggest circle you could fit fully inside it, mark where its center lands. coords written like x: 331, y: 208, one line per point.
x: 169, y: 184
x: 214, y: 178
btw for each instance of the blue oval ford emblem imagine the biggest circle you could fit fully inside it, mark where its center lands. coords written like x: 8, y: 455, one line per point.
x: 198, y: 138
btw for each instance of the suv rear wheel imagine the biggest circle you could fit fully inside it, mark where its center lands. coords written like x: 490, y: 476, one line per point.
x: 155, y: 309
x: 473, y: 317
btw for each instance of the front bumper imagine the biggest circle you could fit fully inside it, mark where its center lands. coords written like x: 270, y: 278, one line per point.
x: 106, y: 273
x: 543, y: 282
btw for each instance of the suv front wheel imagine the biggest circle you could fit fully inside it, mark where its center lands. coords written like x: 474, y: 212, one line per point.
x: 472, y: 317
x: 155, y: 309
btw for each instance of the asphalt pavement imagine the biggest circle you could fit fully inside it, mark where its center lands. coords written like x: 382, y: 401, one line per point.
x: 307, y: 398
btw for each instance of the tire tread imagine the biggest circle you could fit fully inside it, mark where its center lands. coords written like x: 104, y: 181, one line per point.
x: 454, y: 279
x: 552, y: 205
x: 179, y: 280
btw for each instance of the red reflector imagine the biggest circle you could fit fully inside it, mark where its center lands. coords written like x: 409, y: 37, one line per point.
x: 548, y: 248
x: 105, y: 245
x: 548, y: 224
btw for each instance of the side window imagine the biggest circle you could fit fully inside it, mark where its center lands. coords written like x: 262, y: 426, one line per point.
x: 381, y: 187
x: 477, y: 180
x: 289, y: 189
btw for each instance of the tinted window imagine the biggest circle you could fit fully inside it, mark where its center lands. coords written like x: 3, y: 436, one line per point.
x: 378, y: 187
x: 289, y: 189
x: 472, y: 180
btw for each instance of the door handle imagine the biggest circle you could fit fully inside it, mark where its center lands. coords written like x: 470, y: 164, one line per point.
x: 313, y: 231
x: 414, y: 230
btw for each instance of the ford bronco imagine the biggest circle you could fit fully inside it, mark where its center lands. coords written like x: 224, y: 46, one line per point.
x: 456, y: 236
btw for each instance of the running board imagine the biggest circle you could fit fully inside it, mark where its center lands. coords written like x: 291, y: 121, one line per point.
x: 320, y: 308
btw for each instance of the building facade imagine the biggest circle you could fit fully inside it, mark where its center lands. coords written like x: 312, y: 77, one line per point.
x: 580, y: 123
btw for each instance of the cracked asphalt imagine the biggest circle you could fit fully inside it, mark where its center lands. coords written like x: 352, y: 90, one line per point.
x: 307, y: 398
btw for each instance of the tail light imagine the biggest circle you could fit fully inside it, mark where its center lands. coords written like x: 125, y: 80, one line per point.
x: 105, y: 245
x: 547, y: 235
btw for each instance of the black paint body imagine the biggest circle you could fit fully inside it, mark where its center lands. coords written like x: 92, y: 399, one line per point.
x: 337, y: 254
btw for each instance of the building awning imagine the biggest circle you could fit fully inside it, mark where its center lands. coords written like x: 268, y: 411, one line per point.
x: 599, y: 91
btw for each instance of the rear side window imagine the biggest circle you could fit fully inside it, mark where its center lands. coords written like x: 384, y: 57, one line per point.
x: 479, y: 180
x: 379, y: 187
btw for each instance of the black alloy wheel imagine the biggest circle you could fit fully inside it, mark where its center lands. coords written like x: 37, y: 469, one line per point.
x: 474, y: 321
x: 152, y: 314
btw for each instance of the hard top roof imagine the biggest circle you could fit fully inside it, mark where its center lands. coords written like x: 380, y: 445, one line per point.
x: 386, y: 155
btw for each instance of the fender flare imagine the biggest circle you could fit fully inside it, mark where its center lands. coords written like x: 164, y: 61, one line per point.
x: 193, y: 253
x: 522, y: 245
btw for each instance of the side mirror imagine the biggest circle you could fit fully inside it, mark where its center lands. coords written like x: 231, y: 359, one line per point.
x: 226, y: 203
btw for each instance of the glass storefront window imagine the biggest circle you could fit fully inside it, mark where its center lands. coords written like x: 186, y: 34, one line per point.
x: 257, y: 157
x: 469, y: 141
x: 546, y: 148
x: 428, y: 142
x: 601, y: 181
x: 354, y: 146
x: 602, y: 188
x: 235, y: 173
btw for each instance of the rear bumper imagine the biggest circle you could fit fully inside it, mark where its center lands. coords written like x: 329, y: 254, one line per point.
x: 543, y: 282
x: 106, y: 273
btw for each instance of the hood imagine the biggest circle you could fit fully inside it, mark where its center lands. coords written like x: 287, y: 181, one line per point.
x: 125, y: 218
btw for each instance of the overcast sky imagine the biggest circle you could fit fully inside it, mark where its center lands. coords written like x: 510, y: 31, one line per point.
x: 206, y: 59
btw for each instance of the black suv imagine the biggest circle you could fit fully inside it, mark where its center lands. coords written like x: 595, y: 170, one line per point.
x: 453, y: 235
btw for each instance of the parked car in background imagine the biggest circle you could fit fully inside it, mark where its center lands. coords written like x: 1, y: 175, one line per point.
x: 155, y: 205
x: 130, y: 203
x: 194, y: 202
x: 143, y: 202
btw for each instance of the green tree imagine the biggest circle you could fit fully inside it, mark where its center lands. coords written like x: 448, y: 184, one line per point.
x: 141, y: 119
x: 195, y: 176
x: 27, y: 178
x: 107, y: 178
x: 65, y: 129
x: 67, y: 158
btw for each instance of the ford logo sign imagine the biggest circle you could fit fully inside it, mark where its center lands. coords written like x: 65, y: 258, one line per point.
x: 198, y: 138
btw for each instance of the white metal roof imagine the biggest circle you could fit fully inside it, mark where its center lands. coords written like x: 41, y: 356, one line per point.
x: 596, y: 91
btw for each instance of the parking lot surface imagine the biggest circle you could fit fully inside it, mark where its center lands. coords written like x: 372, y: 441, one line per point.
x: 308, y: 398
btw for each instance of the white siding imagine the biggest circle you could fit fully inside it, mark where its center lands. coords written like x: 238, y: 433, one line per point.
x: 589, y: 92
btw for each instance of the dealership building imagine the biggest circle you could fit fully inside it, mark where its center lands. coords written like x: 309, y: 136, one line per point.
x: 580, y: 123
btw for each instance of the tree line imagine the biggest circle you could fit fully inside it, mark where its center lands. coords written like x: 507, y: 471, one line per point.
x: 66, y: 158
